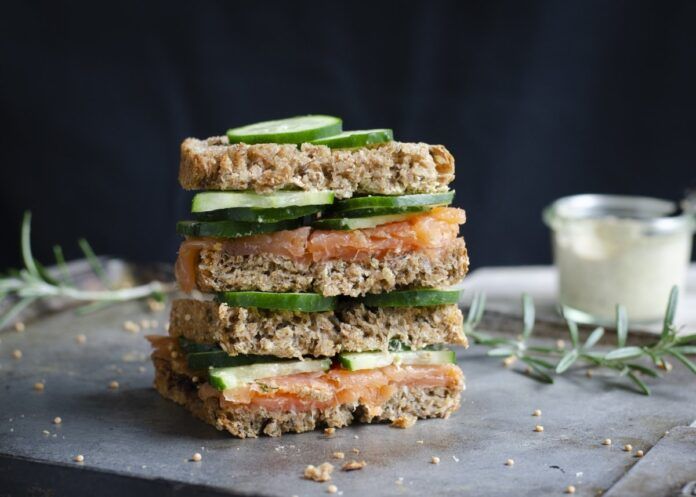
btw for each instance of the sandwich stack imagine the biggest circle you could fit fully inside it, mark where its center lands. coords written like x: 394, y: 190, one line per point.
x: 323, y: 258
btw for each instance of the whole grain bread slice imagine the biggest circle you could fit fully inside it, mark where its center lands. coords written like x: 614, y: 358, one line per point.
x: 243, y: 421
x: 288, y: 334
x: 218, y: 271
x: 392, y: 168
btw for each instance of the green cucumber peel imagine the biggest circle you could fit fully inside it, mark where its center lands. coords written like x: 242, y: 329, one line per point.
x: 213, y: 201
x: 234, y: 377
x: 298, y: 302
x: 298, y: 129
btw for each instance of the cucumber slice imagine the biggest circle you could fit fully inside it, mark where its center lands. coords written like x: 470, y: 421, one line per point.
x: 357, y: 223
x: 359, y: 138
x: 189, y: 346
x: 301, y: 302
x: 372, y: 360
x: 372, y: 201
x: 383, y: 211
x: 411, y: 298
x: 221, y: 359
x: 231, y: 229
x: 298, y: 129
x: 256, y: 215
x: 213, y: 201
x: 225, y: 378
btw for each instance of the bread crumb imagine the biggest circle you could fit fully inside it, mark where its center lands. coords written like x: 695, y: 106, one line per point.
x: 435, y: 460
x: 320, y: 474
x: 509, y: 361
x: 353, y: 465
x: 421, y: 442
x: 405, y: 421
x: 81, y: 339
x: 339, y: 455
x: 131, y: 326
x: 17, y: 354
x: 332, y: 489
x: 19, y: 327
x: 356, y: 450
x: 46, y: 432
x: 39, y: 386
x: 329, y: 431
x: 155, y: 305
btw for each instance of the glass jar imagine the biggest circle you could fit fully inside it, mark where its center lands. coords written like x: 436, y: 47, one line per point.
x: 612, y: 249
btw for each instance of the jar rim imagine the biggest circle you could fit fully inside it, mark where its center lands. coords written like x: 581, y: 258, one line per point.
x: 659, y: 217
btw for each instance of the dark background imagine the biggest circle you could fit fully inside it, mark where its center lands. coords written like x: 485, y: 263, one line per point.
x: 535, y: 99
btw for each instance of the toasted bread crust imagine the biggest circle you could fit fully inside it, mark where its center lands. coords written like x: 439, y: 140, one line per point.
x: 218, y: 271
x: 392, y: 168
x: 245, y: 422
x: 295, y: 334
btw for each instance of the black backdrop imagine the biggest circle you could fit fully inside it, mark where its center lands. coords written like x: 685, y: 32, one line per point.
x: 535, y: 99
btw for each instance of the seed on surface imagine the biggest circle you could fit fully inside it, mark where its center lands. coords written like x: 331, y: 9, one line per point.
x: 329, y: 431
x: 46, y: 432
x: 356, y: 450
x: 510, y: 462
x: 39, y: 386
x: 628, y: 448
x: 435, y: 460
x: 79, y: 458
x: 606, y: 441
x: 197, y: 457
x: 17, y: 354
x: 639, y: 453
x: 131, y: 326
x: 319, y: 473
x: 560, y: 344
x: 155, y: 305
x: 353, y: 465
x: 570, y: 489
x: 57, y: 420
x: 80, y: 339
x: 421, y: 442
x: 339, y: 455
x: 588, y: 373
x: 536, y: 412
x: 509, y: 361
x: 332, y: 489
x: 113, y: 385
x: 538, y: 428
x: 19, y: 327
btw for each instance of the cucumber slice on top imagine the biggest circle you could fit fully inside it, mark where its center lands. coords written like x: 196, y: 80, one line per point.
x: 301, y: 302
x: 360, y: 138
x: 382, y: 201
x: 256, y: 215
x: 411, y: 298
x: 225, y: 378
x: 231, y: 229
x: 357, y: 223
x: 221, y: 359
x: 372, y: 360
x: 298, y: 129
x: 213, y: 201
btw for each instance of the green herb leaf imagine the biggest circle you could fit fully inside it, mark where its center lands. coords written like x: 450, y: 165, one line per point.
x: 686, y: 339
x: 94, y: 261
x: 594, y: 337
x: 574, y: 335
x: 538, y: 362
x: 644, y: 370
x: 567, y: 361
x: 682, y: 358
x: 539, y: 374
x: 621, y: 326
x: 624, y: 353
x: 501, y: 352
x: 639, y: 383
x: 62, y: 266
x: 27, y: 256
x: 527, y: 316
x: 14, y: 311
x: 685, y: 349
x: 668, y: 322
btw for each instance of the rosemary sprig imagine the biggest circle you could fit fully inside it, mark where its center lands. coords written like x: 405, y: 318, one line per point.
x: 544, y: 362
x: 33, y: 282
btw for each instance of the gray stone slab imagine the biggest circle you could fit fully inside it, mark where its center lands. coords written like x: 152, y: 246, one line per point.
x: 668, y: 469
x: 133, y: 439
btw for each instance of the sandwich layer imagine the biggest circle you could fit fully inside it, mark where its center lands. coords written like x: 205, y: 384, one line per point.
x: 286, y: 334
x: 392, y: 168
x: 218, y: 270
x: 251, y: 420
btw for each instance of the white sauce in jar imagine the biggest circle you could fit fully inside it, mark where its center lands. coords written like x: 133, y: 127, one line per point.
x: 607, y: 261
